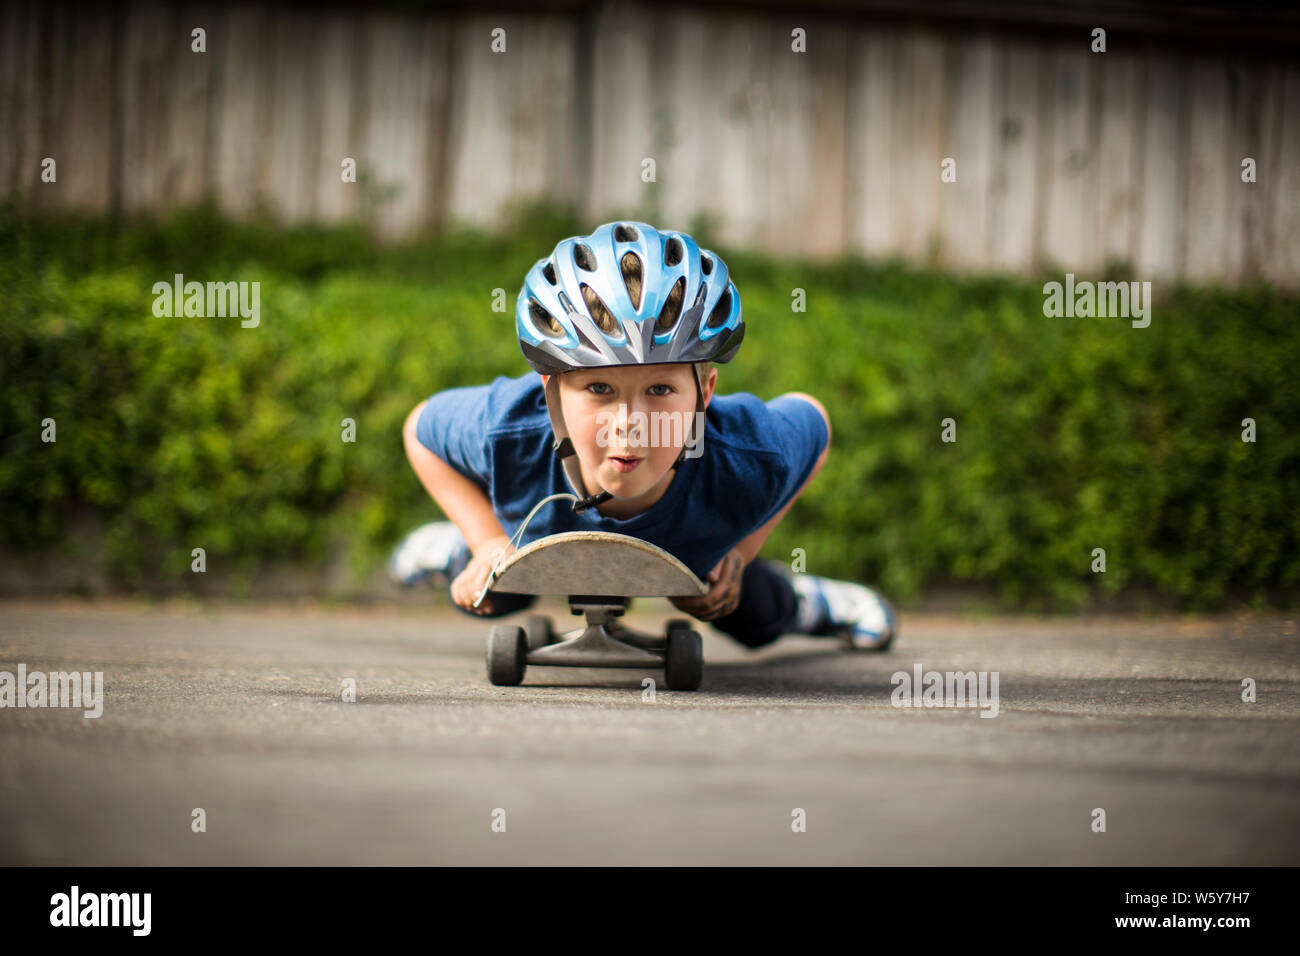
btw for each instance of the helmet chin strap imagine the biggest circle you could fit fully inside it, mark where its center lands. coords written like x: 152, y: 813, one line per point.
x: 564, y: 450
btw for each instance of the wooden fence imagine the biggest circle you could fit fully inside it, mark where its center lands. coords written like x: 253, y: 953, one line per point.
x: 1064, y: 158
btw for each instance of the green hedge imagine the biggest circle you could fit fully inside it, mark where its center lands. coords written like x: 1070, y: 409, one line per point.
x: 1072, y: 434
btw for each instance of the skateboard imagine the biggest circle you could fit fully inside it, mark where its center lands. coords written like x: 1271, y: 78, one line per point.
x: 599, y: 572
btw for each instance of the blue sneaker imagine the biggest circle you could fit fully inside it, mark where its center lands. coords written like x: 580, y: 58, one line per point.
x: 855, y: 613
x: 427, y: 551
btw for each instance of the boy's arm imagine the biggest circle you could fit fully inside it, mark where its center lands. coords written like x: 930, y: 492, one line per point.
x: 723, y: 595
x: 460, y: 499
x: 753, y: 543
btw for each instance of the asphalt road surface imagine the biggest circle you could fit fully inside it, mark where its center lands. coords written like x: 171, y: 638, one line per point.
x: 237, y: 710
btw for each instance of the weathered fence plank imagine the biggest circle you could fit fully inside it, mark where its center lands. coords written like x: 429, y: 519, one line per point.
x: 1119, y: 122
x: 337, y: 79
x: 826, y: 229
x: 1164, y: 171
x: 1211, y: 250
x: 243, y: 103
x: 293, y: 133
x: 971, y: 126
x: 1070, y: 226
x: 1017, y: 182
x: 151, y: 46
x: 917, y: 151
x: 869, y: 143
x: 1285, y: 260
x: 187, y: 176
x: 785, y: 104
x: 622, y: 72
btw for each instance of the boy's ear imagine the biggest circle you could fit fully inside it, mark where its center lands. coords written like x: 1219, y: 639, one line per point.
x: 710, y: 383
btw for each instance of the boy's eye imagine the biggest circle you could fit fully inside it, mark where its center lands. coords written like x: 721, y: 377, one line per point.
x: 603, y: 388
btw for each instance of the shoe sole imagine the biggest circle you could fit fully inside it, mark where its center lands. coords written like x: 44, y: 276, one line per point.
x: 892, y: 619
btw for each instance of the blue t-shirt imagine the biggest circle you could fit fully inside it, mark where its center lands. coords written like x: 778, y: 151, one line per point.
x: 756, y: 456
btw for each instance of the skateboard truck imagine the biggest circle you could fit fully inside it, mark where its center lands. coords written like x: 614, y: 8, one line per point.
x: 598, y: 572
x: 596, y: 646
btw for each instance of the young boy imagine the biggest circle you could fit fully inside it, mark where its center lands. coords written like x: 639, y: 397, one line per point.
x: 622, y: 327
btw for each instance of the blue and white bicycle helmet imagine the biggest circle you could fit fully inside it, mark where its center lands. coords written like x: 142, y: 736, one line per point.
x: 683, y: 309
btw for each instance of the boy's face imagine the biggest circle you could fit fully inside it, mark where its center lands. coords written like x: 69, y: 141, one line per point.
x: 628, y: 424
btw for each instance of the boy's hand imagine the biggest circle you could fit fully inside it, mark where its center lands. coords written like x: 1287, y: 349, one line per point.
x: 465, y: 589
x: 724, y: 592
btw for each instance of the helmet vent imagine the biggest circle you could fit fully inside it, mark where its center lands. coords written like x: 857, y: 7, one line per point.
x: 584, y: 258
x: 543, y: 321
x: 672, y: 309
x: 673, y: 252
x: 720, y: 312
x: 548, y: 270
x: 632, y: 277
x: 706, y: 263
x: 603, y: 317
x: 624, y: 233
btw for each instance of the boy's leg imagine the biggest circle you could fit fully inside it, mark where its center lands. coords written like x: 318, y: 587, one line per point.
x: 774, y: 601
x: 767, y: 608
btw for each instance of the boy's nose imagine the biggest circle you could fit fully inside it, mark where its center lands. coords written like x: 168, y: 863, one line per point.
x: 628, y: 433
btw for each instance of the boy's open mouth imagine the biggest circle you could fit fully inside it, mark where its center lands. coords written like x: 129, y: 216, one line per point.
x: 624, y: 463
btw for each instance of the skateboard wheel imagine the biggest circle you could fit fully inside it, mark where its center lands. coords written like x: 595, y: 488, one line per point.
x: 507, y: 655
x: 683, y: 658
x: 539, y: 631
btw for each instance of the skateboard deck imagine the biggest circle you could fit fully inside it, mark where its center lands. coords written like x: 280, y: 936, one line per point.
x: 596, y: 562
